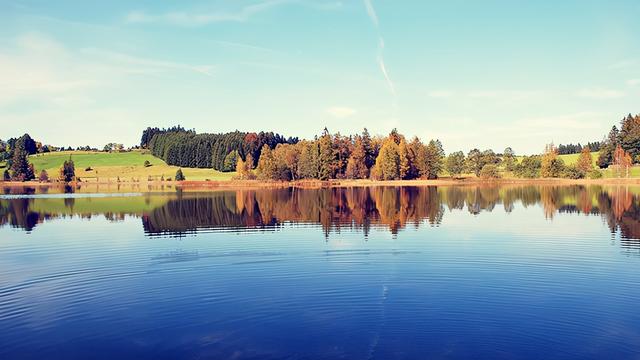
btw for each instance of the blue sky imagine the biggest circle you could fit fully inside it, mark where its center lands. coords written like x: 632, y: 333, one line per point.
x: 486, y: 74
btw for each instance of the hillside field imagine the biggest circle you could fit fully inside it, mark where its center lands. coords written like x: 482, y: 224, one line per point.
x: 126, y: 165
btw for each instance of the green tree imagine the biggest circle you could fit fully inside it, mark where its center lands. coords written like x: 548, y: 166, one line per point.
x: 509, y: 159
x: 475, y: 161
x: 489, y: 171
x: 388, y: 161
x: 309, y: 162
x: 455, y: 163
x: 434, y: 159
x: 529, y: 167
x: 180, y: 175
x: 230, y: 161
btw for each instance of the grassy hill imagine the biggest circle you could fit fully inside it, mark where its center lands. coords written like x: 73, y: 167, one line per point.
x: 126, y: 165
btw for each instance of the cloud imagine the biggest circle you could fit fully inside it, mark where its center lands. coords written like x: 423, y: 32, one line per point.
x: 633, y: 82
x: 600, y: 93
x: 194, y: 18
x: 341, y: 112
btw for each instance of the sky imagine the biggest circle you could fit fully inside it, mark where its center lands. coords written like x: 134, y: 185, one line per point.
x: 485, y: 74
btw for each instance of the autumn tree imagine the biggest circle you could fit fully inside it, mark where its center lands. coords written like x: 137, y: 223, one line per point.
x: 357, y: 163
x: 244, y: 168
x: 585, y: 161
x: 622, y: 161
x: 44, y: 176
x: 551, y: 165
x: 418, y: 158
x: 455, y: 163
x: 267, y: 167
x: 404, y: 164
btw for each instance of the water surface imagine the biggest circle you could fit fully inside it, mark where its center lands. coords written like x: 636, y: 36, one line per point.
x: 359, y: 273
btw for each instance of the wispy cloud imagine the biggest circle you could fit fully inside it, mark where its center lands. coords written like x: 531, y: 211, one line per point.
x: 199, y: 18
x: 600, y: 93
x: 371, y: 12
x: 147, y: 63
x: 341, y: 112
x: 633, y: 82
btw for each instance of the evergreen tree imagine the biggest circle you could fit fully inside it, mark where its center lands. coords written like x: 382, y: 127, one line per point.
x: 605, y: 158
x: 6, y: 176
x: 21, y: 169
x: 68, y: 171
x: 630, y: 136
x: 327, y: 156
x: 370, y: 155
x: 180, y: 175
x: 230, y: 161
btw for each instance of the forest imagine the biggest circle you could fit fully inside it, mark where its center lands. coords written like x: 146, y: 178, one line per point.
x: 271, y: 156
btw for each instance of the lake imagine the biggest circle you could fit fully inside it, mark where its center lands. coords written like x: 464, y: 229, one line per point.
x: 510, y: 272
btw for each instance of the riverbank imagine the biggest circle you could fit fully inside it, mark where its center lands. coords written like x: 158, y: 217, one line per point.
x: 244, y: 184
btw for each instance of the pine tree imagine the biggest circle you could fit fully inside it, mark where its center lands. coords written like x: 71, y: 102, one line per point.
x: 68, y: 171
x: 327, y: 156
x: 180, y: 175
x: 21, y: 169
x: 387, y: 162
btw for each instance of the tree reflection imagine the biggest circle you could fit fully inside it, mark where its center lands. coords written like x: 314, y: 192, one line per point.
x: 359, y: 208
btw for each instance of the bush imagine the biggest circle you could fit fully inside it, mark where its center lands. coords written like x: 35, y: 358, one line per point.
x: 595, y: 174
x: 180, y: 175
x: 147, y: 163
x: 572, y: 172
x: 489, y: 171
x: 88, y: 169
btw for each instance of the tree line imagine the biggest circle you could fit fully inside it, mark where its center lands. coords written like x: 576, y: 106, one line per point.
x: 180, y: 147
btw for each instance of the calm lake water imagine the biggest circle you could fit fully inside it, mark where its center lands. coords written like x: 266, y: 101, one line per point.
x: 359, y: 273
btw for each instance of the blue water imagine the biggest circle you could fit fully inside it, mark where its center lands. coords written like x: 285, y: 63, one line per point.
x: 487, y: 278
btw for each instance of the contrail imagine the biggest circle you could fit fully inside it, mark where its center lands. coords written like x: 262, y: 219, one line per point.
x: 383, y: 68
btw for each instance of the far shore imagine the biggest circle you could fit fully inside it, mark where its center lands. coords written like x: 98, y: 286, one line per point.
x: 256, y: 184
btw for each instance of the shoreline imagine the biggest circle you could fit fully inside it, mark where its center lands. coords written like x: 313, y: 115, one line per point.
x: 336, y: 183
